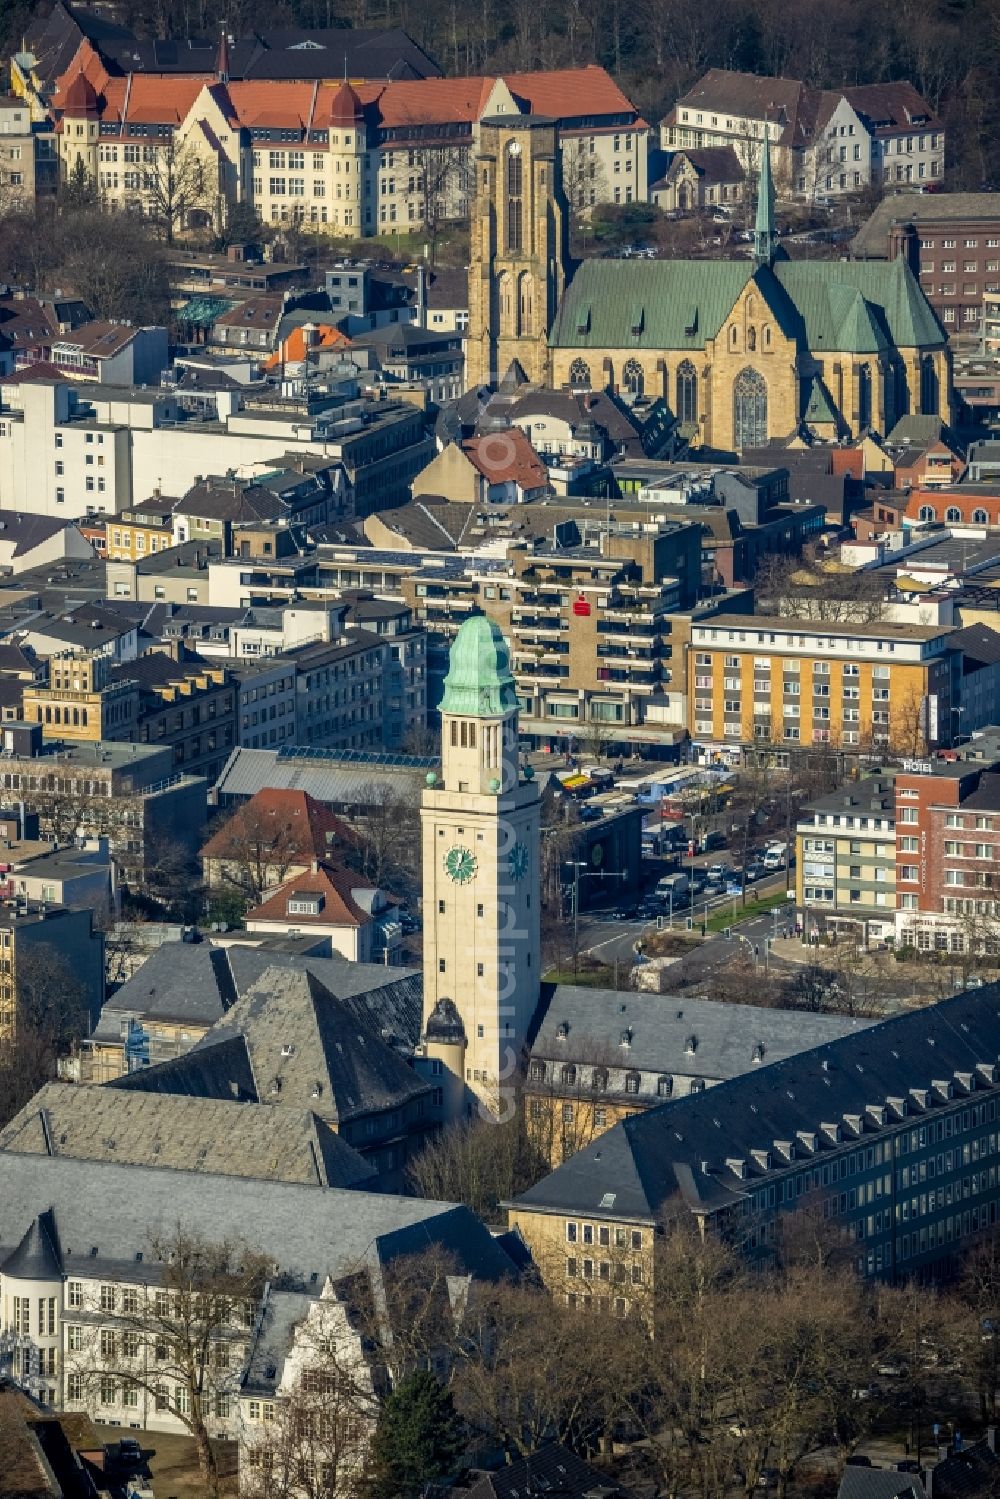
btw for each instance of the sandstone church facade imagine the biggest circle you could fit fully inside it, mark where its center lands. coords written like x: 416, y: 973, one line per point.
x: 742, y: 351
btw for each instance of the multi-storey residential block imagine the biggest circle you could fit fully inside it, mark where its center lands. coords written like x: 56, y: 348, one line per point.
x: 891, y: 1133
x: 29, y: 164
x: 825, y: 142
x: 845, y: 872
x: 951, y: 241
x: 754, y: 679
x: 353, y: 160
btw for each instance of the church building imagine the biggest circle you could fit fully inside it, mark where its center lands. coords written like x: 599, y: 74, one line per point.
x: 742, y: 350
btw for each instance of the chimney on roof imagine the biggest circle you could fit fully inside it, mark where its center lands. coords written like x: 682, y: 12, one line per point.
x: 222, y: 60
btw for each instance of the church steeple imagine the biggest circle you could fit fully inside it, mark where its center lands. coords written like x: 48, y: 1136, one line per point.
x: 764, y: 238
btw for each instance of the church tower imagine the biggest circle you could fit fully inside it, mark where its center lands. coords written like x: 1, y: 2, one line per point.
x: 480, y: 830
x: 764, y: 237
x: 519, y: 253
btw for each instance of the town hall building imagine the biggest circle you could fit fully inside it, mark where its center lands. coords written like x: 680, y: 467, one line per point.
x: 743, y: 351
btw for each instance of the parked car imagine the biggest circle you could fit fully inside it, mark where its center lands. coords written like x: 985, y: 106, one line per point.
x: 591, y: 813
x: 718, y: 874
x: 891, y: 1368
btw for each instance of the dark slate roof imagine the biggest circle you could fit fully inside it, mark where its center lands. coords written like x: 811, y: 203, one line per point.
x: 553, y: 1471
x: 969, y: 1474
x: 979, y: 644
x: 289, y: 1041
x: 107, y: 1218
x: 131, y: 1126
x: 662, y: 1028
x: 688, y: 1146
x: 180, y: 981
x: 37, y: 1255
x: 879, y: 1483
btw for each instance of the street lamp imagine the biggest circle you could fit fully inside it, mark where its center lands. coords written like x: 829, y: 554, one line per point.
x: 591, y: 874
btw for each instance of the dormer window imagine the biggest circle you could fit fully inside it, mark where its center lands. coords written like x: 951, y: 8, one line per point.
x: 305, y: 905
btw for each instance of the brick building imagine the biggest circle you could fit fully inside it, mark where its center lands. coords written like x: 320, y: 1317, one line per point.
x: 951, y: 242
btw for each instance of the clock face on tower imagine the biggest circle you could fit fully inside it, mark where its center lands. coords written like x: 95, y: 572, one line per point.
x: 517, y: 861
x: 460, y: 864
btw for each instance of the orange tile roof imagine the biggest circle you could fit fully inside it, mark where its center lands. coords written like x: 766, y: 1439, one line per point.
x: 294, y: 348
x: 334, y: 885
x: 313, y: 828
x: 278, y: 104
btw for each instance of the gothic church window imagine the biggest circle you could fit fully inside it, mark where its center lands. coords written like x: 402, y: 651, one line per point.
x: 687, y: 393
x: 515, y: 197
x: 579, y: 374
x: 749, y: 409
x: 632, y: 377
x: 751, y: 339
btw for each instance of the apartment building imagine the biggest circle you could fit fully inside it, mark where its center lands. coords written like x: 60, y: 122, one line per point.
x: 948, y: 856
x: 130, y: 794
x: 951, y: 242
x: 82, y: 701
x: 890, y: 1132
x: 70, y: 450
x: 824, y: 143
x: 845, y: 872
x: 29, y: 163
x: 755, y: 679
x: 45, y: 944
x: 352, y: 160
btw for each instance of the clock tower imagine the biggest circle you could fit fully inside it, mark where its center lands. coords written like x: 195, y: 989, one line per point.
x: 480, y: 828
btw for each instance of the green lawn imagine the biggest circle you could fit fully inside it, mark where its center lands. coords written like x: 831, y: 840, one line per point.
x: 589, y: 978
x: 724, y: 917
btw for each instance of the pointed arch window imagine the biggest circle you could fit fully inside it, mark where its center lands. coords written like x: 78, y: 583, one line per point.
x: 751, y: 338
x: 749, y: 409
x: 864, y: 396
x: 632, y: 377
x: 579, y: 374
x: 515, y: 198
x: 928, y: 386
x: 687, y: 393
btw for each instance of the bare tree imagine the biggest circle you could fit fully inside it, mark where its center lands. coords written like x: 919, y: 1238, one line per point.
x: 182, y: 1343
x: 438, y: 188
x: 389, y: 829
x: 176, y: 187
x: 479, y: 1162
x: 254, y: 850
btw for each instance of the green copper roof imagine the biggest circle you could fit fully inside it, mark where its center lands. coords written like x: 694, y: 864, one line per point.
x: 764, y: 225
x: 820, y: 409
x: 871, y: 305
x: 480, y: 682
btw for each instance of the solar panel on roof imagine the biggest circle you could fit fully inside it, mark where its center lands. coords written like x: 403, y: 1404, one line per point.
x: 357, y: 757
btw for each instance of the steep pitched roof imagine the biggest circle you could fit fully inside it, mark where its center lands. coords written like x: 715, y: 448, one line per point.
x: 507, y: 457
x: 289, y: 1041
x: 37, y: 1257
x: 338, y: 889
x: 305, y: 826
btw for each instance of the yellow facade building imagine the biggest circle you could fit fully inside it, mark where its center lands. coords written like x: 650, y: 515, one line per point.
x: 754, y: 679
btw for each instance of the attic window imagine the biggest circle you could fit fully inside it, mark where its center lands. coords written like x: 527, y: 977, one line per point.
x: 583, y: 320
x: 691, y: 322
x: 305, y: 905
x: 637, y: 321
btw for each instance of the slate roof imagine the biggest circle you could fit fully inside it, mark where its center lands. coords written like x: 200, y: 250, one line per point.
x: 970, y: 1474
x: 843, y: 306
x: 198, y: 983
x: 684, y: 1147
x: 713, y: 164
x: 553, y: 1471
x: 107, y: 1216
x: 184, y: 1133
x: 879, y: 1483
x: 978, y: 643
x: 37, y: 1255
x: 926, y: 209
x: 662, y: 1028
x: 289, y: 1041
x: 430, y: 522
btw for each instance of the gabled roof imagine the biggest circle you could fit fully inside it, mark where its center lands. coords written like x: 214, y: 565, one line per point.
x: 340, y: 892
x: 712, y: 164
x: 507, y: 458
x: 552, y: 1471
x: 820, y: 408
x: 304, y: 825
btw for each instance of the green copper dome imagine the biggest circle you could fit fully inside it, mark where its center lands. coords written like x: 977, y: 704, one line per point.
x: 479, y: 683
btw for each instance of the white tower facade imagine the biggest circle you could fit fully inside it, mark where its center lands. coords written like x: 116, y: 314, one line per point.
x: 480, y: 828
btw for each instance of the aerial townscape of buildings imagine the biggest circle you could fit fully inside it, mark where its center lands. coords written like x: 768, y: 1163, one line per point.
x: 499, y: 773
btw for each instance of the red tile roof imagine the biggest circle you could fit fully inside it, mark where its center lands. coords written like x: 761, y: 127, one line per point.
x: 294, y: 348
x: 339, y: 907
x: 505, y: 457
x: 314, y: 827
